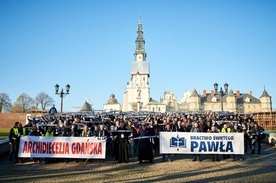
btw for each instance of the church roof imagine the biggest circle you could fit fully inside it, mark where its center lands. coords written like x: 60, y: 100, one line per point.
x: 240, y: 99
x: 194, y: 94
x: 151, y: 101
x: 112, y: 100
x: 168, y: 92
x: 231, y: 93
x: 243, y: 96
x: 140, y: 41
x: 86, y: 107
x: 265, y: 94
x: 209, y: 97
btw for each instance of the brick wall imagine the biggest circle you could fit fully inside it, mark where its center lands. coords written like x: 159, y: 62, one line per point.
x: 7, y: 120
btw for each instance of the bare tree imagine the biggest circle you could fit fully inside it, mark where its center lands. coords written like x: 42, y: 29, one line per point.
x: 44, y: 100
x: 5, y: 102
x: 23, y: 103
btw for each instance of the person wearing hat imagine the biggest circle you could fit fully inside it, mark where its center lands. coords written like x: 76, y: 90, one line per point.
x: 145, y: 149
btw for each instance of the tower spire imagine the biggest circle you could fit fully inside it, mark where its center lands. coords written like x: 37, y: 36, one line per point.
x: 140, y: 42
x: 139, y: 16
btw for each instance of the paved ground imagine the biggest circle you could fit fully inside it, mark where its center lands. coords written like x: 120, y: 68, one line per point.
x: 256, y: 168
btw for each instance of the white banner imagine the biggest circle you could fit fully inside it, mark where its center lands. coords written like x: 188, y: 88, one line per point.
x: 62, y: 147
x: 201, y: 143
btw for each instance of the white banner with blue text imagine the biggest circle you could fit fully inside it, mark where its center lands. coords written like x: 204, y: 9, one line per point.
x: 62, y: 147
x: 201, y: 143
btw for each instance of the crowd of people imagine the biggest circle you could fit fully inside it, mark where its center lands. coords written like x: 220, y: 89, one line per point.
x: 137, y: 133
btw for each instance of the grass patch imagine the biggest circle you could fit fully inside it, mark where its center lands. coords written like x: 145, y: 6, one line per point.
x: 4, y: 132
x: 272, y: 131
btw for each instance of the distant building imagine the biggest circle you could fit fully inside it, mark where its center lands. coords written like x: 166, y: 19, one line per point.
x: 86, y: 107
x: 232, y: 102
x: 112, y: 104
x: 184, y: 103
x: 170, y: 101
x: 137, y: 96
x: 155, y: 106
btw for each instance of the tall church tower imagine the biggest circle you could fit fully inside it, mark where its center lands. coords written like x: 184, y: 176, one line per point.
x: 137, y: 93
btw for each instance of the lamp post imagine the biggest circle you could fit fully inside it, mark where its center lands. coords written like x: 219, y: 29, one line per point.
x: 62, y: 94
x: 221, y: 92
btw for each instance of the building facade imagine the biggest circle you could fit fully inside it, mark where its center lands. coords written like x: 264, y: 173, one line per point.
x: 112, y: 104
x: 230, y: 101
x: 137, y: 93
x: 170, y: 101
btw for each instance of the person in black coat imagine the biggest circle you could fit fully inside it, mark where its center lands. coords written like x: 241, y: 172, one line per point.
x: 256, y: 138
x: 145, y: 149
x: 13, y: 141
x: 122, y: 140
x: 156, y: 129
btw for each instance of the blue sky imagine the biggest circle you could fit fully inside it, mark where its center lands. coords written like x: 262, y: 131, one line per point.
x: 90, y: 45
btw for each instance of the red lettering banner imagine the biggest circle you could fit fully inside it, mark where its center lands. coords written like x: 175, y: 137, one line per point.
x: 62, y: 147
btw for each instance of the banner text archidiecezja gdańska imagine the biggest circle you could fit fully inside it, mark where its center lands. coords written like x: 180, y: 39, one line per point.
x: 201, y: 143
x: 62, y: 147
